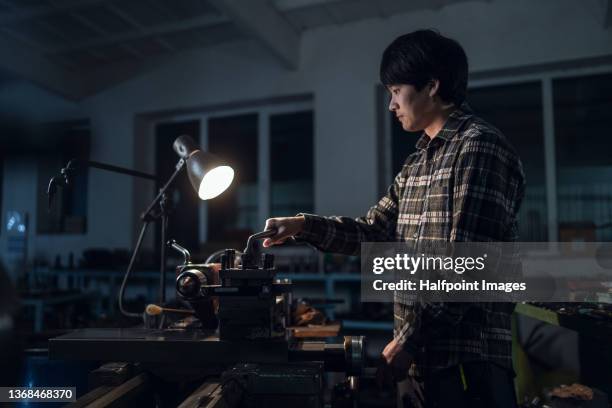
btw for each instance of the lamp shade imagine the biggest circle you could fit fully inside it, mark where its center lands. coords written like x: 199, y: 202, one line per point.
x: 208, y: 175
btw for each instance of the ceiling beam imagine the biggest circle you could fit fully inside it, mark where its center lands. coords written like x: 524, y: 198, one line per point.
x: 102, y: 32
x: 260, y: 19
x: 137, y: 33
x: 29, y: 13
x: 287, y: 5
x: 34, y: 47
x: 136, y: 24
x: 107, y: 76
x: 30, y: 65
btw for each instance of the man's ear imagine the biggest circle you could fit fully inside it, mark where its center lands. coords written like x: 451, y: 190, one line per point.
x: 434, y: 86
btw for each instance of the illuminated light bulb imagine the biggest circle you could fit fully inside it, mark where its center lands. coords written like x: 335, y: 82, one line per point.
x: 215, y: 182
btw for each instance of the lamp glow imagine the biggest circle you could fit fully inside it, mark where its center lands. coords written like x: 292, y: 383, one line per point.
x: 215, y: 181
x: 209, y: 176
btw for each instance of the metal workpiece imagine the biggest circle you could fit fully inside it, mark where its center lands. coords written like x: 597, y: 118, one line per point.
x: 347, y: 356
x: 331, y: 354
x: 354, y: 349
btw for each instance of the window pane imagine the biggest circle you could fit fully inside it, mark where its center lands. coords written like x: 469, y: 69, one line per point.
x: 582, y: 109
x: 291, y: 163
x: 233, y: 215
x: 516, y: 110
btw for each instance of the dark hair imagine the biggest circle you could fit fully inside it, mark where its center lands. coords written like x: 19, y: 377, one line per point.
x: 421, y: 56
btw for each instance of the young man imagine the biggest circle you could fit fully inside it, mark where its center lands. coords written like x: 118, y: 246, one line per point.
x: 464, y: 183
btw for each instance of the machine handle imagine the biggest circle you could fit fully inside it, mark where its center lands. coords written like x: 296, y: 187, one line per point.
x: 263, y: 234
x: 172, y: 243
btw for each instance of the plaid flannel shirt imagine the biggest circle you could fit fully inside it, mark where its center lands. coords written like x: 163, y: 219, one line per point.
x: 464, y: 185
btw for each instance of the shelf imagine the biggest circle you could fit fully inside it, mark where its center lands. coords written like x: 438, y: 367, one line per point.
x: 321, y: 277
x: 366, y: 325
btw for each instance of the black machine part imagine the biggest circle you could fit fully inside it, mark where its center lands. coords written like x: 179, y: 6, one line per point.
x: 194, y: 348
x: 252, y: 304
x: 192, y: 283
x: 243, y: 385
x: 299, y: 385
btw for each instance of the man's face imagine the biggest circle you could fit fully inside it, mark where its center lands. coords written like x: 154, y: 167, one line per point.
x: 411, y: 107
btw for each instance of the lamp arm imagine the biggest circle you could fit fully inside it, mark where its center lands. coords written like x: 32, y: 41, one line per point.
x: 146, y: 216
x: 179, y: 166
x: 63, y: 179
x: 75, y: 164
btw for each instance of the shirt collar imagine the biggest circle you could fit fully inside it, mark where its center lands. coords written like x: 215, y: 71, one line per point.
x: 450, y: 128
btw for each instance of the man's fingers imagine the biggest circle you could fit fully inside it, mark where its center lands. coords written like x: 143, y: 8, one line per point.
x: 285, y: 228
x: 268, y: 242
x: 270, y: 223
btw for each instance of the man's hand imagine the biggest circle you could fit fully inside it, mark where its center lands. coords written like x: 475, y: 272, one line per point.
x: 394, y: 366
x: 286, y: 227
x: 392, y: 351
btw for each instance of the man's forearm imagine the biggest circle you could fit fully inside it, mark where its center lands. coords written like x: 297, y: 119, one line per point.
x: 339, y: 234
